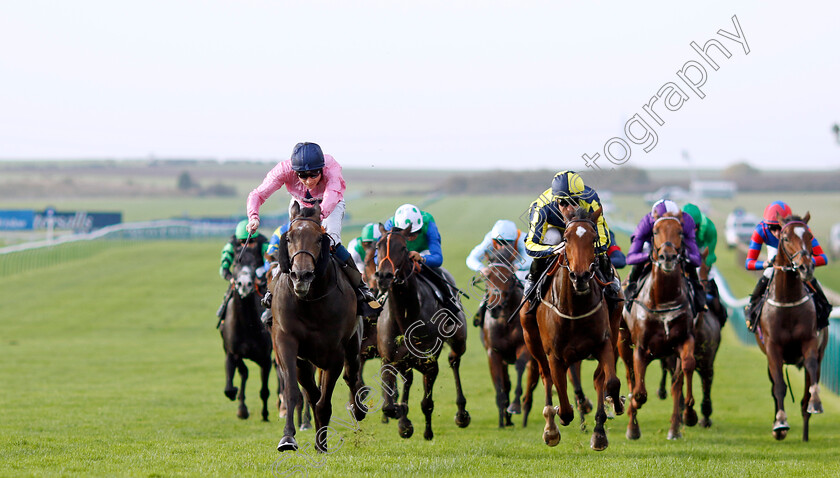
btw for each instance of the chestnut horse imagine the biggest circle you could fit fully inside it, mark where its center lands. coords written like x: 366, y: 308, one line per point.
x: 787, y: 331
x: 573, y: 323
x: 411, y: 331
x: 659, y: 323
x: 707, y: 341
x: 315, y: 324
x: 503, y: 340
x: 243, y: 334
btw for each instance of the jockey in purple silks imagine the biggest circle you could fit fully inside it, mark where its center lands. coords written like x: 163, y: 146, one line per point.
x: 639, y: 258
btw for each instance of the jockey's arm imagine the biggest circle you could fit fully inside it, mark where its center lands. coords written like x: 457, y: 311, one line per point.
x: 435, y: 256
x: 226, y: 262
x: 692, y: 253
x: 474, y: 260
x: 636, y: 254
x: 756, y: 241
x: 273, y: 181
x: 536, y: 231
x: 711, y: 243
x: 523, y: 260
x: 817, y: 255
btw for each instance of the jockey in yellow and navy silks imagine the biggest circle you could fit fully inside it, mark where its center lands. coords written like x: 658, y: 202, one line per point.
x: 548, y: 218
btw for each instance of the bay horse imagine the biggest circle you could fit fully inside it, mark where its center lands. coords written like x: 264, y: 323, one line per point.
x: 244, y: 336
x: 659, y: 323
x: 315, y: 324
x: 707, y: 329
x: 411, y: 331
x: 573, y: 323
x: 503, y: 340
x: 787, y: 330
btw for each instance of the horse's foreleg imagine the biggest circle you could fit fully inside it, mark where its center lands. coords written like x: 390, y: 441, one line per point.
x: 805, y: 405
x: 778, y: 388
x: 427, y: 404
x: 636, y: 373
x: 405, y: 427
x: 265, y: 371
x: 242, y: 412
x: 598, y: 441
x: 707, y: 374
x: 462, y: 416
x: 531, y: 385
x: 626, y: 354
x: 353, y: 379
x: 558, y: 373
x: 662, y: 392
x: 676, y: 413
x: 496, y: 372
x: 810, y: 350
x: 531, y: 333
x: 688, y: 365
x: 520, y: 365
x: 584, y: 406
x: 323, y: 408
x: 286, y: 353
x: 230, y: 370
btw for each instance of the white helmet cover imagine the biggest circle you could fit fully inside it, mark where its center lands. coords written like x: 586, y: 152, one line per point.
x: 408, y: 217
x: 504, y: 230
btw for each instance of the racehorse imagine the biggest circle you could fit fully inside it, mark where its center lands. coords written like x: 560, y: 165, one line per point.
x: 660, y: 322
x: 503, y: 340
x: 707, y: 341
x: 315, y: 324
x: 411, y: 331
x: 369, y: 348
x: 787, y: 330
x: 574, y: 323
x: 244, y: 336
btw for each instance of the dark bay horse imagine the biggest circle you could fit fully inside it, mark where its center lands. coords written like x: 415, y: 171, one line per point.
x: 574, y: 323
x: 503, y: 340
x: 787, y: 331
x: 315, y: 324
x: 707, y: 329
x: 659, y: 323
x: 411, y: 331
x: 244, y: 336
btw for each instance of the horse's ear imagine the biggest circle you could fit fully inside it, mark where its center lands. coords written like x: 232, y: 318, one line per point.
x: 324, y: 257
x: 705, y: 252
x: 596, y: 215
x: 382, y: 230
x: 283, y: 254
x: 294, y: 211
x: 780, y: 218
x: 807, y: 217
x: 317, y: 208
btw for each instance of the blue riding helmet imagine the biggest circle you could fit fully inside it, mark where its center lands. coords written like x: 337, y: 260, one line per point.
x: 307, y: 157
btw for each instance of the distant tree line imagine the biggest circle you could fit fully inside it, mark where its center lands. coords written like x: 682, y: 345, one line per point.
x: 186, y: 184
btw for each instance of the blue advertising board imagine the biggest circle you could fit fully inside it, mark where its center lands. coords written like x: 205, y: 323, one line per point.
x: 79, y: 221
x: 16, y: 220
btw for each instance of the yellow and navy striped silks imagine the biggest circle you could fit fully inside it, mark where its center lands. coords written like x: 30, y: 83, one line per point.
x: 567, y: 183
x: 544, y: 214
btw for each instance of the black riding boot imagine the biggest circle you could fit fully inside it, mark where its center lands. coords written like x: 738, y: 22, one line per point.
x: 612, y: 292
x: 699, y: 292
x: 538, y: 267
x: 821, y: 303
x: 368, y: 305
x: 478, y: 319
x: 448, y: 297
x: 631, y: 290
x: 754, y: 309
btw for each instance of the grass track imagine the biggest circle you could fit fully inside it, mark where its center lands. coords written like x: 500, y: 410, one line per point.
x: 112, y: 366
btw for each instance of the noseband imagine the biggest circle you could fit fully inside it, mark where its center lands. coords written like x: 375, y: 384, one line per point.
x: 783, y: 239
x: 565, y: 263
x: 304, y: 251
x: 654, y: 254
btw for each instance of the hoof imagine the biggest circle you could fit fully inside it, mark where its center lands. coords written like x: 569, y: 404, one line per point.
x: 391, y: 412
x: 551, y: 438
x: 674, y: 435
x: 780, y: 429
x: 598, y: 442
x: 705, y: 422
x: 633, y: 433
x: 265, y: 417
x: 780, y: 434
x: 515, y: 408
x: 815, y: 408
x: 230, y: 393
x: 287, y: 443
x: 662, y: 394
x: 428, y: 434
x: 384, y: 418
x: 242, y: 413
x: 406, y: 431
x: 507, y: 422
x: 305, y: 426
x: 690, y: 417
x: 462, y: 419
x: 585, y: 406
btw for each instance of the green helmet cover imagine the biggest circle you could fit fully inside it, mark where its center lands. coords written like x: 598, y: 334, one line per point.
x: 242, y: 230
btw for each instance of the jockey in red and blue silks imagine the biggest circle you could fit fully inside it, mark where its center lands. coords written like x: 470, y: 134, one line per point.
x: 639, y: 258
x: 768, y: 232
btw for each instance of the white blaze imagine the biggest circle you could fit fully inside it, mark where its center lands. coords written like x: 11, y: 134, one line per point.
x: 580, y: 231
x: 800, y: 231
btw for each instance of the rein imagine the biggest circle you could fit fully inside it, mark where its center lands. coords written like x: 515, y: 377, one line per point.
x: 506, y: 293
x: 387, y: 257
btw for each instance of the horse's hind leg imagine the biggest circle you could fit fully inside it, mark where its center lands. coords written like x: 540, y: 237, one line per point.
x: 323, y: 408
x: 688, y: 363
x: 778, y: 388
x: 230, y: 370
x: 428, y: 404
x: 520, y: 365
x: 462, y: 416
x: 584, y: 406
x: 531, y: 385
x: 707, y: 374
x: 352, y: 376
x: 404, y: 425
x: 497, y: 370
x: 662, y: 392
x: 242, y: 412
x: 810, y: 351
x: 286, y: 352
x: 806, y: 400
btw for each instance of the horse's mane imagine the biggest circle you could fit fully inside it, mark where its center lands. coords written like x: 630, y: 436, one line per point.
x: 581, y: 214
x: 310, y: 212
x: 793, y: 218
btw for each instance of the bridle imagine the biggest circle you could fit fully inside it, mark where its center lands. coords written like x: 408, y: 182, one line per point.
x: 594, y: 264
x: 512, y: 280
x: 782, y: 240
x: 304, y: 251
x: 397, y: 279
x: 654, y: 253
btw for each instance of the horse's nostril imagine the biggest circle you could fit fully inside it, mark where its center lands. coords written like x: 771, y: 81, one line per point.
x: 293, y: 275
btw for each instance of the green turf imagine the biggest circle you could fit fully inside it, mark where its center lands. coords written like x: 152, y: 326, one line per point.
x: 112, y: 366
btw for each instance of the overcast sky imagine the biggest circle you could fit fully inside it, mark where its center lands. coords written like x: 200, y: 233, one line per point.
x: 479, y: 84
